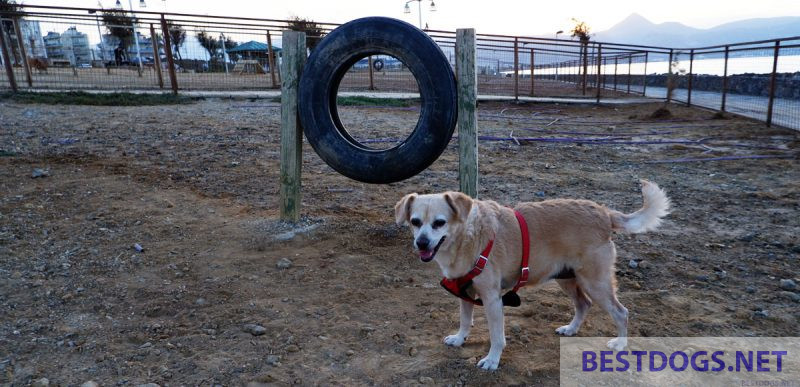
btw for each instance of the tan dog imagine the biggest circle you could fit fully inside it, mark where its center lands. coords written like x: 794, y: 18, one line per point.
x: 566, y: 236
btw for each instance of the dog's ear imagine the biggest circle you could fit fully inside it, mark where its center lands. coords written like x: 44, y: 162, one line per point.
x: 460, y: 203
x: 402, y: 210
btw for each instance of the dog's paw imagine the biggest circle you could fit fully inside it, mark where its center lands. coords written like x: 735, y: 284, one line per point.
x: 618, y: 344
x: 488, y: 363
x: 454, y: 340
x: 567, y: 330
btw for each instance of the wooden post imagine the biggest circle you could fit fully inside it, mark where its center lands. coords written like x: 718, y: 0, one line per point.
x: 630, y: 62
x: 644, y: 80
x: 725, y: 80
x: 585, y: 65
x: 22, y: 52
x: 467, y: 114
x: 516, y: 69
x: 669, y: 77
x: 371, y: 81
x: 616, y: 59
x: 532, y: 66
x: 173, y: 79
x: 294, y: 57
x: 689, y: 86
x: 772, y: 82
x: 7, y: 59
x: 271, y: 58
x: 156, y: 57
x: 599, y: 68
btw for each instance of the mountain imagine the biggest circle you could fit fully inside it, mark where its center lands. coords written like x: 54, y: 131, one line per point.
x: 635, y: 29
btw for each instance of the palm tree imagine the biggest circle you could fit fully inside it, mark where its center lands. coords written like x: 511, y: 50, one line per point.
x: 581, y: 31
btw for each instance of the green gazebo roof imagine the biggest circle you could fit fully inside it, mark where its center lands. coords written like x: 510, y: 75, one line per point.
x: 251, y: 46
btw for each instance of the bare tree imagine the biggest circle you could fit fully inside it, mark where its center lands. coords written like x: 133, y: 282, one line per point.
x: 581, y: 31
x: 177, y: 36
x: 120, y: 25
x: 314, y: 32
x: 209, y: 42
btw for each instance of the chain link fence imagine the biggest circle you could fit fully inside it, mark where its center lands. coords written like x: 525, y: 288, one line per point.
x: 67, y: 48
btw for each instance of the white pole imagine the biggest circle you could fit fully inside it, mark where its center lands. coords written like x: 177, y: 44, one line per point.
x: 136, y: 38
x: 102, y: 44
x: 419, y: 3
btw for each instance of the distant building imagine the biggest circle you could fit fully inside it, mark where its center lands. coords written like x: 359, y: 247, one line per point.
x: 110, y: 42
x: 31, y: 39
x: 70, y: 48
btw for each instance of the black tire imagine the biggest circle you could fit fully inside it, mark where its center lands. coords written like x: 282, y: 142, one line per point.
x: 319, y: 85
x: 377, y: 64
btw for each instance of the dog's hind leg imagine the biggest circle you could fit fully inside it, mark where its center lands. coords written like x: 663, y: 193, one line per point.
x: 600, y: 285
x: 458, y: 339
x: 582, y: 305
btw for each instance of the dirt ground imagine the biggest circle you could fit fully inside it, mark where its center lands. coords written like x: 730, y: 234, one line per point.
x: 196, y: 187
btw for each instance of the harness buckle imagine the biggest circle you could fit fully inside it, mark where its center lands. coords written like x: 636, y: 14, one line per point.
x: 523, y: 278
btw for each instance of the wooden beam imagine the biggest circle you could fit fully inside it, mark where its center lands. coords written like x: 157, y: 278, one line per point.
x: 467, y: 113
x: 20, y: 41
x: 156, y: 57
x: 271, y: 54
x: 173, y: 78
x: 7, y: 59
x: 294, y: 57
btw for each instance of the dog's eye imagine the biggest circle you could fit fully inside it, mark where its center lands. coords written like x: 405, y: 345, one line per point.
x: 439, y: 223
x: 416, y: 222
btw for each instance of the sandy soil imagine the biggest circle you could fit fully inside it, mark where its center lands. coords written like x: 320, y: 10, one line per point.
x: 196, y: 187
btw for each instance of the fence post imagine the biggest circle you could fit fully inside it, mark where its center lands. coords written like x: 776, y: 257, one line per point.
x: 630, y: 62
x: 532, y: 66
x: 7, y: 59
x: 271, y: 59
x: 371, y: 82
x: 467, y: 114
x: 585, y: 65
x: 772, y: 82
x: 689, y: 91
x: 173, y: 78
x: 644, y: 80
x: 615, y: 73
x: 22, y: 52
x: 599, y: 68
x: 156, y: 57
x: 669, y: 77
x: 725, y: 80
x: 516, y: 69
x: 294, y: 57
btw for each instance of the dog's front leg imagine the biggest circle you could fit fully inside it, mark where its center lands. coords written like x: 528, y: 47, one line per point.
x: 458, y: 339
x: 494, y: 316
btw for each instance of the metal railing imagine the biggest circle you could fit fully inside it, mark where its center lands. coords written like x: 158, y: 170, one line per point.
x: 756, y: 79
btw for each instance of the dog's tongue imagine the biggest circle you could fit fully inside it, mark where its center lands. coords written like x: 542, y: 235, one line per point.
x: 425, y: 254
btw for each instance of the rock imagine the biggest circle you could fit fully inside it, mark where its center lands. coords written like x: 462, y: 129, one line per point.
x: 633, y: 264
x: 273, y: 360
x: 350, y: 352
x: 787, y: 284
x: 255, y: 330
x: 138, y: 247
x: 200, y: 301
x: 791, y: 296
x: 540, y: 194
x: 643, y: 264
x: 38, y: 172
x: 43, y: 382
x: 750, y: 289
x: 702, y: 277
x: 412, y: 351
x: 761, y: 313
x: 284, y: 263
x: 90, y: 383
x: 148, y: 385
x: 425, y: 380
x: 292, y: 348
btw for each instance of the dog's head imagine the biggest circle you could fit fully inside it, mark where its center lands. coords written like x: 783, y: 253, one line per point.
x: 435, y: 220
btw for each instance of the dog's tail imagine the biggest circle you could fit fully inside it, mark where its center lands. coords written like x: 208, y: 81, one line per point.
x: 648, y: 218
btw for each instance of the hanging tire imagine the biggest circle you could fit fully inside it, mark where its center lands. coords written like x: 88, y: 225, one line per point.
x: 319, y: 86
x: 377, y: 64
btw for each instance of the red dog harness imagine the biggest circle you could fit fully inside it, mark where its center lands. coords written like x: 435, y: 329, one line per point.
x: 458, y: 286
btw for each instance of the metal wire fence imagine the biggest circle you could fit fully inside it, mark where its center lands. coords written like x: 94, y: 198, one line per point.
x: 68, y: 48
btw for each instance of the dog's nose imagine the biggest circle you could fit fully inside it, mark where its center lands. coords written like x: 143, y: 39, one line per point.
x: 423, y: 243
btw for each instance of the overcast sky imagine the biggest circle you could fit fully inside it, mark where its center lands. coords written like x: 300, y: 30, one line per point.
x: 531, y: 17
